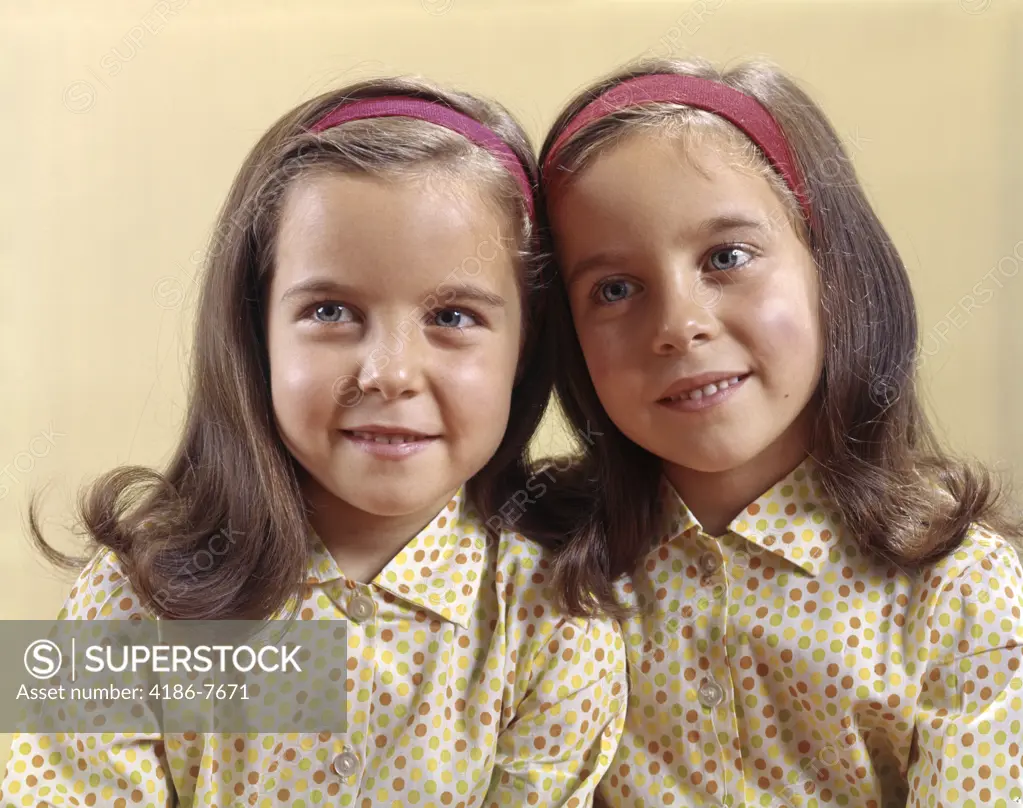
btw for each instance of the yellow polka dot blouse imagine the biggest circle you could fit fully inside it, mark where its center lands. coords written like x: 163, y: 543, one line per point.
x: 778, y: 665
x: 465, y: 688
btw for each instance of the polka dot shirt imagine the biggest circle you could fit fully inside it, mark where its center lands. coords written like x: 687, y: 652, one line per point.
x: 465, y: 687
x: 778, y: 665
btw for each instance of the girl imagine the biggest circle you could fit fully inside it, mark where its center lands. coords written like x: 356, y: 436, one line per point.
x: 823, y: 611
x: 366, y: 379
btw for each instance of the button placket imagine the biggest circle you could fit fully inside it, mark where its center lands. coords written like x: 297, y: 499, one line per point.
x: 360, y: 608
x: 714, y: 684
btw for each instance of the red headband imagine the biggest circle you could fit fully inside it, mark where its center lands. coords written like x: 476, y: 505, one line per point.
x: 740, y: 109
x: 407, y: 107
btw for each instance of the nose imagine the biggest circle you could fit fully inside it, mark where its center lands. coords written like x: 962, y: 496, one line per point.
x: 686, y: 312
x: 393, y: 367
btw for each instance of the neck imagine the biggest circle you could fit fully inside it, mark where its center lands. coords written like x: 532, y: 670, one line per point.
x: 364, y: 543
x: 716, y: 498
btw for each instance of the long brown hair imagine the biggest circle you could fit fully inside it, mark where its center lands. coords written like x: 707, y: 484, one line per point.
x: 223, y: 531
x: 902, y: 496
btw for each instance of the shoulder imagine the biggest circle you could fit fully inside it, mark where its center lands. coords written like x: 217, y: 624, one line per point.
x: 981, y: 553
x: 973, y: 598
x: 524, y: 570
x: 103, y: 592
x: 524, y: 575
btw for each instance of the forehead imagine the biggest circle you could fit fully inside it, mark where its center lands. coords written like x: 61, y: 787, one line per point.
x: 404, y: 231
x: 644, y: 174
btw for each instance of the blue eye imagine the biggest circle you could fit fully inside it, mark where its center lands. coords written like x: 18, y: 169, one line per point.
x: 730, y: 258
x: 453, y: 318
x: 614, y: 290
x: 333, y: 313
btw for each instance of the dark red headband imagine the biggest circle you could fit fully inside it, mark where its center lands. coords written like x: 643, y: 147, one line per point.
x: 740, y: 109
x: 407, y: 107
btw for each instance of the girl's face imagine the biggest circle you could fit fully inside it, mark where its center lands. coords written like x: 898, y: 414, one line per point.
x: 393, y: 331
x: 695, y: 303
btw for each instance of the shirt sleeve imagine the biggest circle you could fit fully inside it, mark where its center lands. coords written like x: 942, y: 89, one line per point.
x: 969, y: 726
x: 567, y: 726
x: 91, y: 769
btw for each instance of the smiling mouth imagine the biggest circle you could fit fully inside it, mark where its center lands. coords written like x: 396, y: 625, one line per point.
x: 392, y: 439
x: 706, y: 391
x: 386, y: 438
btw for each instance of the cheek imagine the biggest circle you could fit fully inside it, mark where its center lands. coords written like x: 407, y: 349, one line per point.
x: 301, y: 384
x: 784, y: 332
x: 609, y: 350
x: 475, y: 387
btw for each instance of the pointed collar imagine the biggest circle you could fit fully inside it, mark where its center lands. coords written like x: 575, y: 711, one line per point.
x: 439, y: 570
x: 793, y: 519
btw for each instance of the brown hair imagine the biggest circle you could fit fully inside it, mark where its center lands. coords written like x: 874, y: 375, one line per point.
x: 230, y: 495
x: 901, y: 495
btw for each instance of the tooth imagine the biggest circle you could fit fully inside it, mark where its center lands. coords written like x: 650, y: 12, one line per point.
x: 733, y: 380
x: 710, y: 389
x: 696, y: 395
x: 722, y: 385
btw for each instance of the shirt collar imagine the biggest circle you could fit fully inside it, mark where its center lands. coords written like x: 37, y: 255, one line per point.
x: 793, y: 519
x: 439, y: 570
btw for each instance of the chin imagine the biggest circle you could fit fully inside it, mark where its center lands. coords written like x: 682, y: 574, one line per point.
x: 388, y: 500
x: 708, y: 460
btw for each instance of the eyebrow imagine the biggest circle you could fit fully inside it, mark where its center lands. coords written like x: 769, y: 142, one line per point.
x: 717, y: 224
x: 316, y: 286
x: 579, y: 268
x: 469, y: 293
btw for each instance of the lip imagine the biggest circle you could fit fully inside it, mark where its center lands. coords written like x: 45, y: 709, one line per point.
x: 389, y: 451
x: 690, y: 383
x: 389, y: 429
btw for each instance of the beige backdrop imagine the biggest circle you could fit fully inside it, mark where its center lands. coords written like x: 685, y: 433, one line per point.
x: 124, y: 122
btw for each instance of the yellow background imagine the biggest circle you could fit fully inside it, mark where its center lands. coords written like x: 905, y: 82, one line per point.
x: 124, y: 122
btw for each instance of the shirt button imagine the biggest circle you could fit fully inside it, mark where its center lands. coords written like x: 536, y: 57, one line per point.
x: 710, y: 563
x: 361, y: 608
x: 346, y: 763
x: 710, y: 693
